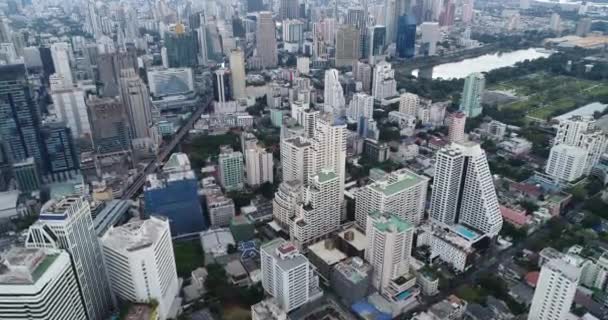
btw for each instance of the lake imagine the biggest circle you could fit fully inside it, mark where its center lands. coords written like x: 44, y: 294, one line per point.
x: 484, y: 63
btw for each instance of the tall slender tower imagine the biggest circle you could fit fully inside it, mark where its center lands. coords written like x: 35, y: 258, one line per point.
x: 237, y: 66
x: 61, y: 59
x: 266, y: 40
x: 136, y: 99
x: 333, y: 95
x: 474, y: 85
x: 68, y: 225
x: 555, y: 290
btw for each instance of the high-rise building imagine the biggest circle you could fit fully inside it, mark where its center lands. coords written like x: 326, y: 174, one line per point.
x: 389, y: 246
x: 5, y: 31
x: 402, y: 193
x: 109, y: 67
x: 266, y: 41
x: 448, y: 11
x: 182, y: 47
x: 362, y: 72
x: 408, y: 104
x: 136, y: 100
x: 285, y: 203
x: 259, y: 166
x: 68, y: 224
x: 110, y: 125
x: 583, y: 27
x: 61, y: 52
x: 555, y: 23
x: 303, y: 65
x: 174, y: 194
x: 406, y: 36
x: 456, y: 126
x: 463, y: 189
x: 430, y: 36
x: 329, y: 147
x: 70, y: 108
x: 333, y: 95
x: 347, y: 46
x: 27, y: 175
x: 555, y: 290
x: 566, y: 162
x: 376, y: 43
x: 361, y: 105
x: 19, y: 116
x: 356, y: 18
x: 60, y: 149
x: 201, y: 34
x: 289, y: 9
x: 230, y: 165
x: 472, y: 93
x: 467, y: 11
x: 172, y: 81
x: 222, y: 90
x: 141, y: 264
x: 39, y: 284
x: 384, y: 83
x: 287, y: 275
x: 297, y: 159
x: 237, y: 66
x: 255, y: 5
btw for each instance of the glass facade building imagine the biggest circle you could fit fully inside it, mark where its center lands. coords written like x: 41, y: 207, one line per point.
x: 406, y: 36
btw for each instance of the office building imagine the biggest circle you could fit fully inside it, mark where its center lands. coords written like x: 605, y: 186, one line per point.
x: 61, y: 52
x: 27, y: 175
x: 376, y: 43
x: 389, y: 246
x: 384, y: 83
x: 293, y: 35
x: 287, y: 275
x: 351, y: 279
x: 109, y: 66
x: 333, y: 95
x: 289, y: 9
x: 19, y: 116
x: 406, y: 36
x: 448, y: 11
x: 555, y: 290
x: 172, y: 81
x: 329, y: 147
x: 472, y: 93
x: 361, y: 105
x: 463, y: 189
x: 258, y: 166
x: 109, y: 125
x: 467, y: 11
x: 136, y: 101
x: 67, y: 224
x: 230, y: 165
x: 174, y: 194
x: 303, y: 65
x: 255, y: 5
x: 362, y: 72
x: 566, y: 162
x: 583, y: 26
x: 429, y: 38
x: 401, y: 192
x: 220, y: 208
x: 266, y: 42
x: 60, y: 150
x: 141, y: 264
x: 456, y: 126
x: 39, y: 284
x: 408, y: 104
x: 222, y: 89
x: 347, y: 46
x: 555, y: 23
x: 237, y: 67
x: 182, y: 47
x: 70, y: 108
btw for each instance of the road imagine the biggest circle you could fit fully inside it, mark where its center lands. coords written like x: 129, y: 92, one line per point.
x: 134, y: 188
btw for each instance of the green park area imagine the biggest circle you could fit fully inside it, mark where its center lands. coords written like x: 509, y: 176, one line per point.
x: 542, y: 96
x: 188, y: 256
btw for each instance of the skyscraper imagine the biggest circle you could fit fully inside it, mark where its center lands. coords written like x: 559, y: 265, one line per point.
x: 467, y: 11
x: 361, y: 105
x: 70, y: 108
x: 555, y: 290
x: 463, y: 189
x: 287, y: 275
x: 60, y: 149
x: 141, y: 263
x: 237, y: 66
x: 60, y: 52
x: 384, y: 84
x: 472, y: 93
x: 456, y: 126
x: 259, y: 166
x: 376, y: 43
x: 402, y: 193
x: 201, y: 33
x: 333, y: 95
x: 68, y: 224
x: 406, y: 36
x: 266, y: 41
x: 19, y: 116
x: 408, y: 104
x: 222, y: 89
x: 363, y: 73
x: 329, y: 145
x: 182, y: 47
x: 230, y: 165
x: 566, y: 162
x: 39, y: 284
x: 448, y: 10
x: 109, y: 67
x: 289, y: 9
x: 110, y: 125
x: 136, y: 100
x: 430, y: 36
x: 347, y: 46
x: 297, y: 159
x: 389, y: 246
x: 174, y: 194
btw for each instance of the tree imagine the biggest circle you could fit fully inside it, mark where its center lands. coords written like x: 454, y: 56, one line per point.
x: 267, y: 190
x: 529, y: 206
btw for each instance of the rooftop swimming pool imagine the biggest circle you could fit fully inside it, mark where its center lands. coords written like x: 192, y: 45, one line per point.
x: 466, y: 232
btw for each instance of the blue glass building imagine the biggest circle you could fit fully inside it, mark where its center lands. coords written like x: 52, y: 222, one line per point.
x: 406, y: 36
x: 174, y: 194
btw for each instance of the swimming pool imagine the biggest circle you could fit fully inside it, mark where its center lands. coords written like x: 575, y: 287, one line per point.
x: 403, y: 295
x: 466, y: 232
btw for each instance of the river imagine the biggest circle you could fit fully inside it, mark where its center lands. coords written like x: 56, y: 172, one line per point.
x: 483, y: 63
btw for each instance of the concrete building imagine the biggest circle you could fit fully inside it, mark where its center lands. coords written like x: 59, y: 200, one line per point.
x: 362, y: 72
x: 230, y: 165
x: 258, y: 166
x: 70, y: 108
x: 266, y: 42
x: 566, y: 163
x: 347, y: 46
x: 351, y: 279
x: 361, y: 105
x: 31, y: 276
x: 463, y: 189
x: 389, y: 246
x: 267, y: 310
x: 303, y: 65
x: 456, y: 126
x: 140, y: 262
x: 408, y: 104
x: 333, y: 95
x: 237, y: 66
x: 68, y: 224
x: 61, y: 52
x: 171, y: 81
x: 109, y: 125
x: 402, y: 193
x: 287, y: 275
x: 219, y: 207
x: 555, y: 290
x: 297, y: 159
x: 472, y: 93
x: 384, y: 83
x: 285, y: 203
x: 136, y: 100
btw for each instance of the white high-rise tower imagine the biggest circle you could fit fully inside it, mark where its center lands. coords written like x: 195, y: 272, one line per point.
x: 237, y: 66
x: 333, y: 95
x: 555, y: 290
x: 60, y: 52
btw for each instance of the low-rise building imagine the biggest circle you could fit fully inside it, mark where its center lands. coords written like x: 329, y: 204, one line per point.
x: 215, y: 242
x: 324, y: 255
x: 351, y: 279
x: 267, y: 310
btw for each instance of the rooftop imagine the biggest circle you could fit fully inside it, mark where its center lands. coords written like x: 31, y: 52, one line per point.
x: 136, y: 234
x: 389, y: 222
x: 9, y: 199
x: 398, y: 181
x: 25, y: 265
x: 354, y: 269
x: 284, y: 253
x: 141, y: 312
x: 359, y: 241
x: 326, y: 175
x: 329, y: 255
